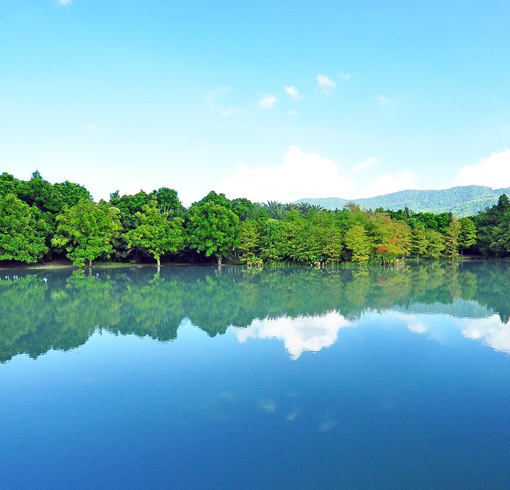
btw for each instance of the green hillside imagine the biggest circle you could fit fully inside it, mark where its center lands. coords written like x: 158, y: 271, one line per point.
x: 461, y: 201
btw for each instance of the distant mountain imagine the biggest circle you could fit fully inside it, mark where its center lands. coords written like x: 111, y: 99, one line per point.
x: 461, y: 201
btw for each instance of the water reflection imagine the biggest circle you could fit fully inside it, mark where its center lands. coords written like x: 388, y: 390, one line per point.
x: 300, y: 334
x: 303, y: 308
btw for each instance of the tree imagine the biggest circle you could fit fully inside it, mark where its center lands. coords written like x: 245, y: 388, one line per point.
x: 212, y: 228
x: 273, y: 241
x: 129, y: 205
x: 391, y: 239
x: 419, y: 241
x: 249, y: 242
x: 86, y: 231
x: 452, y: 238
x: 22, y: 231
x: 358, y: 242
x: 156, y: 233
x: 435, y: 245
x: 467, y: 235
x: 168, y: 202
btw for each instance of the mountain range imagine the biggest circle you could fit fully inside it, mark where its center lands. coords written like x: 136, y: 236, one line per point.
x: 461, y: 201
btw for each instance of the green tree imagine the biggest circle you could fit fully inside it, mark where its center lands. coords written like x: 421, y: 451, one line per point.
x: 249, y: 242
x: 155, y: 233
x: 452, y: 238
x: 129, y: 205
x: 86, y: 231
x: 419, y: 241
x: 358, y: 242
x: 213, y: 228
x: 22, y: 231
x: 467, y: 234
x: 435, y: 244
x: 168, y: 202
x: 273, y: 241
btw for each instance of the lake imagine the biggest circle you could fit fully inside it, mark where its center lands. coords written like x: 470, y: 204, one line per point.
x: 281, y: 378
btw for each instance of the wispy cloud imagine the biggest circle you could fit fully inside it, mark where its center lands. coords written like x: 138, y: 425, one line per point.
x: 366, y: 165
x: 227, y: 112
x: 292, y: 113
x: 267, y: 102
x: 217, y: 93
x: 293, y: 92
x: 344, y: 76
x: 325, y: 84
x: 383, y: 100
x: 213, y: 100
x: 65, y: 2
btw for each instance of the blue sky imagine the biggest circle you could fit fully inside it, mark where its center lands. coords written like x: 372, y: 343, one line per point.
x: 268, y: 100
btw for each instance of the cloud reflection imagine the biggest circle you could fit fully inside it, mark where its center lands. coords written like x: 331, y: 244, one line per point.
x: 304, y: 333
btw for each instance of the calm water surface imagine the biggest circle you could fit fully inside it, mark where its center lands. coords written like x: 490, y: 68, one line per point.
x: 275, y: 379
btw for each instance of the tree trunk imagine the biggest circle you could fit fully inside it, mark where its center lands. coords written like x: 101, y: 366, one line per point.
x: 220, y: 260
x: 159, y: 264
x: 90, y: 263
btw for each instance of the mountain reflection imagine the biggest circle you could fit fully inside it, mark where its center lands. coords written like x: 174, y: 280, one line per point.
x: 305, y: 308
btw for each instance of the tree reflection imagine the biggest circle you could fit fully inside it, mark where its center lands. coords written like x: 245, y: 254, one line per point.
x: 59, y: 310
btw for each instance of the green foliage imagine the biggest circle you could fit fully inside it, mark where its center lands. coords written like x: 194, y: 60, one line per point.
x: 168, y: 201
x: 435, y: 244
x: 249, y: 242
x: 213, y: 228
x: 129, y: 205
x: 359, y: 243
x: 86, y: 231
x: 273, y: 241
x: 467, y: 234
x: 452, y: 239
x: 22, y: 231
x: 493, y: 229
x: 155, y: 233
x: 419, y: 241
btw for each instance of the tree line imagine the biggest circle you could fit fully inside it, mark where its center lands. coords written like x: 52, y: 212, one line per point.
x: 40, y: 221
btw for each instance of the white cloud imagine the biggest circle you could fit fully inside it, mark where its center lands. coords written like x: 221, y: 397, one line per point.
x: 64, y: 2
x: 387, y: 183
x: 217, y: 93
x: 227, y: 112
x: 304, y: 333
x: 300, y: 175
x: 493, y: 171
x: 325, y: 84
x: 267, y: 405
x: 383, y: 100
x: 366, y: 165
x: 328, y: 422
x: 293, y: 92
x: 293, y: 113
x: 213, y: 100
x: 267, y: 102
x: 491, y: 331
x: 344, y: 76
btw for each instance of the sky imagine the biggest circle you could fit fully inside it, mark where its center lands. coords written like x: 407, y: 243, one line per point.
x: 260, y: 99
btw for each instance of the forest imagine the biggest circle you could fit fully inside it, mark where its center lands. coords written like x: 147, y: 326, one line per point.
x: 44, y: 222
